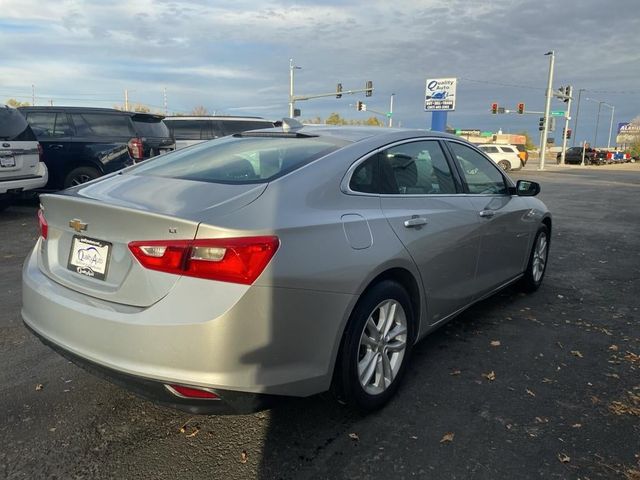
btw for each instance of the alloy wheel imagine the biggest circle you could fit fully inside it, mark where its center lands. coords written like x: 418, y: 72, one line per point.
x: 383, y: 343
x: 540, y: 257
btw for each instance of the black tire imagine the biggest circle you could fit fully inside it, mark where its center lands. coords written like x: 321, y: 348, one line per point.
x: 504, y: 165
x: 532, y: 280
x: 346, y: 384
x: 80, y: 175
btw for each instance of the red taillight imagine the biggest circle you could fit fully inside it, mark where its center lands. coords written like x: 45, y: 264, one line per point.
x: 136, y: 149
x: 236, y: 260
x: 42, y: 223
x: 40, y: 153
x: 192, y: 392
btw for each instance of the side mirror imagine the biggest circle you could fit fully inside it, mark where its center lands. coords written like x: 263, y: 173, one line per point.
x: 527, y: 188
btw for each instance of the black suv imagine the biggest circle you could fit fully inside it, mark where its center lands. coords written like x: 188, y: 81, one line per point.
x: 573, y: 155
x: 81, y: 143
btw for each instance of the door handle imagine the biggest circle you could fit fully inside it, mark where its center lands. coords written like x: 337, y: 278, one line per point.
x: 415, y: 222
x: 487, y: 213
x: 56, y: 146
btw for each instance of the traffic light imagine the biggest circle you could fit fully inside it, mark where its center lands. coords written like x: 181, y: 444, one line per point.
x: 339, y: 91
x: 541, y: 124
x: 567, y: 133
x: 360, y: 106
x: 567, y: 92
x: 494, y: 108
x: 521, y: 108
x: 369, y: 88
x: 296, y: 112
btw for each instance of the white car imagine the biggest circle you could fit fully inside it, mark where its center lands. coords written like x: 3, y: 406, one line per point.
x: 21, y: 168
x: 506, y: 156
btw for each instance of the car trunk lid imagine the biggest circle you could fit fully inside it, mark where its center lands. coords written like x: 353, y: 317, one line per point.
x: 90, y: 228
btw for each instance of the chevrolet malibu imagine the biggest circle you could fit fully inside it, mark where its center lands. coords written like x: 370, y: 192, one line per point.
x: 281, y: 262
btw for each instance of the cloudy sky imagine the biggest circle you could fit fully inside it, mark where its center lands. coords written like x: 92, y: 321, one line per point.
x: 233, y: 57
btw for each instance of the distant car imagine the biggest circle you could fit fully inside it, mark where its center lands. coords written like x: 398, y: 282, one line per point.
x: 573, y: 155
x: 21, y: 168
x: 153, y: 134
x: 506, y: 156
x: 82, y: 143
x: 278, y: 262
x: 189, y: 130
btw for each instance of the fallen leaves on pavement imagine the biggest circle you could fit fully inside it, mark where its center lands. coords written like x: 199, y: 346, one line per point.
x: 491, y: 376
x: 39, y: 387
x: 244, y: 456
x: 531, y: 393
x: 354, y: 436
x: 613, y: 348
x: 576, y: 353
x: 630, y: 406
x: 564, y: 458
x: 447, y: 437
x: 495, y: 343
x: 455, y: 372
x: 632, y: 358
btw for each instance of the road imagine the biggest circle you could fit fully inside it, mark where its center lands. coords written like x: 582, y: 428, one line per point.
x: 561, y: 403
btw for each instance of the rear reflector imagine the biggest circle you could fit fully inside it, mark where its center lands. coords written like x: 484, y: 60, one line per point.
x: 235, y: 260
x: 192, y: 392
x: 42, y: 223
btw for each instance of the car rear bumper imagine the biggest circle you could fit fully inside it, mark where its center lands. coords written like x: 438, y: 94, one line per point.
x: 267, y: 340
x: 229, y: 402
x: 22, y: 184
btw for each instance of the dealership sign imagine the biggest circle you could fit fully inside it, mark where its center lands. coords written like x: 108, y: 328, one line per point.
x: 628, y: 128
x: 440, y: 94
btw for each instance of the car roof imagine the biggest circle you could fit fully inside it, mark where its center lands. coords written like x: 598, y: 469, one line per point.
x: 76, y: 109
x: 214, y: 117
x: 355, y: 134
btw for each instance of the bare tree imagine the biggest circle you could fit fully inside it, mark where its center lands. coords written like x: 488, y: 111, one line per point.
x: 200, y: 110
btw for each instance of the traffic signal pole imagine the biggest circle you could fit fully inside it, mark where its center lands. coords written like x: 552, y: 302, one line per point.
x: 567, y: 117
x: 547, y: 107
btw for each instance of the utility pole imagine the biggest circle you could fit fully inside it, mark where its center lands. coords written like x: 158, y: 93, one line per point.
x: 164, y: 97
x: 126, y: 100
x: 391, y: 110
x: 575, y: 125
x: 33, y: 94
x: 545, y: 131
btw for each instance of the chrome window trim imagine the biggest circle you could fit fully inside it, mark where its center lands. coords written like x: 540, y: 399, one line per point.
x: 346, y: 180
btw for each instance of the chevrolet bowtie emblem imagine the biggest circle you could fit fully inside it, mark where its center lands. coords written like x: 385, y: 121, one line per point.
x: 77, y: 225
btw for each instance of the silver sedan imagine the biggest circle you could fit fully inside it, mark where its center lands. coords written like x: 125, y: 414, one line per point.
x: 278, y: 262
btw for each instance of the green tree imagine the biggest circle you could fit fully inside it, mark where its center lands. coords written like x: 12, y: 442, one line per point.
x: 335, y: 119
x: 140, y: 108
x: 12, y: 102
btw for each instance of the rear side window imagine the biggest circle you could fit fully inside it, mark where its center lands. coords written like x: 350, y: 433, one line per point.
x: 508, y: 149
x: 102, y: 125
x: 48, y: 125
x: 489, y: 149
x: 187, y: 129
x: 13, y: 126
x: 150, y: 127
x: 239, y: 160
x: 229, y: 127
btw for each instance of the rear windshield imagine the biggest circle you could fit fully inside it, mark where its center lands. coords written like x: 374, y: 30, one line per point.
x: 234, y: 160
x: 150, y: 127
x: 229, y: 127
x: 188, y: 129
x: 13, y: 126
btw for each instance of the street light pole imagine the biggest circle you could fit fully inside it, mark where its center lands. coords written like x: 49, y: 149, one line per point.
x: 613, y: 109
x: 567, y: 115
x: 595, y: 137
x: 575, y: 125
x: 545, y: 131
x: 391, y: 110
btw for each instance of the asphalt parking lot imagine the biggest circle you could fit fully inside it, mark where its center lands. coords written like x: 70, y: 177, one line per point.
x: 545, y: 385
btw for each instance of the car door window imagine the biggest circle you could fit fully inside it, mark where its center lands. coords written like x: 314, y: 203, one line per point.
x: 418, y: 168
x: 480, y: 174
x: 413, y: 168
x: 42, y: 123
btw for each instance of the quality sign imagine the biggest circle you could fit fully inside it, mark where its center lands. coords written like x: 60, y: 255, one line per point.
x: 440, y: 94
